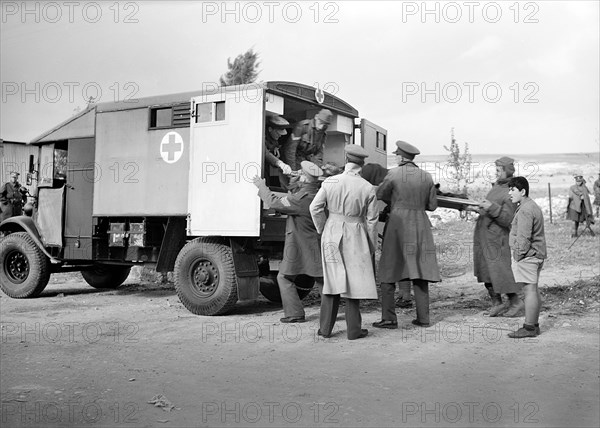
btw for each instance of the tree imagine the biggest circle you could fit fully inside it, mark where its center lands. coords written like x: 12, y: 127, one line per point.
x: 243, y: 70
x: 459, y: 165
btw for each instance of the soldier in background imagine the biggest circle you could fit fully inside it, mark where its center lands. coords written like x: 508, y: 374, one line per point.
x: 597, y: 195
x: 579, y: 209
x: 12, y: 198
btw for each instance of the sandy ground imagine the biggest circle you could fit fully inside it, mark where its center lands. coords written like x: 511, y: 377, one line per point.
x: 81, y: 357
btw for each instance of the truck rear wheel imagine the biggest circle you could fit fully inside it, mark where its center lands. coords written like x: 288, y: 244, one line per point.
x: 25, y: 269
x: 205, y: 277
x: 106, y: 276
x: 270, y: 289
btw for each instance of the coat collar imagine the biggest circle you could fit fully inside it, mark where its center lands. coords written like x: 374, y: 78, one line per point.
x: 407, y: 162
x: 352, y: 168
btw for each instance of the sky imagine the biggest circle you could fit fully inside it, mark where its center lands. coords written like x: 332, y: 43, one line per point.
x: 509, y: 77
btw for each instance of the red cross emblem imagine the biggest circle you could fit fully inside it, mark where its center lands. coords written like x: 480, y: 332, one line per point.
x: 319, y: 95
x: 171, y: 147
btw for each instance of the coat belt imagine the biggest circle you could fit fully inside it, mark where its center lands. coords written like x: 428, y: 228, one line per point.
x: 346, y: 218
x: 405, y: 206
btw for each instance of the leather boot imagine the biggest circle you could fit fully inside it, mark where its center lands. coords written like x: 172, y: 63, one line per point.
x: 497, y: 305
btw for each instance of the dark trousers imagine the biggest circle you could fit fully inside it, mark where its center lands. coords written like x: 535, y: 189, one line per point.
x: 329, y: 308
x: 388, y: 303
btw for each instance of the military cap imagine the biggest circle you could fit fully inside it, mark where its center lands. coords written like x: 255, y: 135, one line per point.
x: 507, y: 163
x: 325, y: 116
x: 503, y: 161
x: 279, y: 122
x: 406, y: 150
x: 311, y: 169
x: 14, y: 173
x: 355, y: 153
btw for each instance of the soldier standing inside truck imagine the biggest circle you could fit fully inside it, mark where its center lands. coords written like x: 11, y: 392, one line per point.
x: 275, y: 130
x: 307, y: 140
x: 12, y: 198
x: 302, y: 248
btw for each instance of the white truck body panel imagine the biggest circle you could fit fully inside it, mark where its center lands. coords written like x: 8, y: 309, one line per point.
x: 226, y: 152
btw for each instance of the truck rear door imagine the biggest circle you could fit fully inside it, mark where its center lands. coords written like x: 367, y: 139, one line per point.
x: 226, y: 139
x: 373, y: 138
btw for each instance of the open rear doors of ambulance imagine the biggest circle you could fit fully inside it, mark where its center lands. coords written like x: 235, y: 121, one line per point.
x: 373, y: 138
x: 226, y: 149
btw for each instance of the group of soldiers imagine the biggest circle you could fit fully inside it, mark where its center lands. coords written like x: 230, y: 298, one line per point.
x: 331, y: 234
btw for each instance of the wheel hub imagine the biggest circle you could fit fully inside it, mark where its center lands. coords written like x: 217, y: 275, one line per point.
x: 205, y: 278
x: 17, y: 267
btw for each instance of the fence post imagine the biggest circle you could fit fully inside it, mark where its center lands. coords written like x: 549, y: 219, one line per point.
x: 550, y: 201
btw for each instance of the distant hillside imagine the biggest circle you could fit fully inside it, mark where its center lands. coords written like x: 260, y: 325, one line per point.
x: 581, y: 159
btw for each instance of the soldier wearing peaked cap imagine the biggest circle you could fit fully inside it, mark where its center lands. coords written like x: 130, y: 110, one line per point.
x: 302, y: 248
x: 12, y: 197
x: 348, y: 241
x: 276, y: 129
x: 408, y: 250
x: 307, y: 140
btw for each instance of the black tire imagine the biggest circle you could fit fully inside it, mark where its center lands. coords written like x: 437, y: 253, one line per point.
x: 270, y: 289
x: 205, y: 277
x: 25, y: 268
x: 106, y: 276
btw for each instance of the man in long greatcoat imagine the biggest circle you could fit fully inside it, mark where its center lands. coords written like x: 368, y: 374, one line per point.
x: 408, y: 251
x: 348, y: 242
x: 491, y: 252
x: 579, y: 208
x: 302, y: 248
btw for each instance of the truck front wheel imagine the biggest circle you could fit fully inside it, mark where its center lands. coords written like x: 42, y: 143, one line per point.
x: 205, y: 277
x: 106, y: 276
x: 25, y: 269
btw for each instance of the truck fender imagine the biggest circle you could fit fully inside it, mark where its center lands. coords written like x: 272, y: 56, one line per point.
x: 246, y: 269
x: 24, y: 223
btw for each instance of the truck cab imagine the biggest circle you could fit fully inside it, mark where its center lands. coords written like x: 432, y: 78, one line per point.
x: 166, y: 181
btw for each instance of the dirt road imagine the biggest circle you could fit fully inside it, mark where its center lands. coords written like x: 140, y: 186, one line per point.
x: 80, y: 357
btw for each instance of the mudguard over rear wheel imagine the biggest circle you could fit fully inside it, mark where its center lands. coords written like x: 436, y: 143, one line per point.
x: 205, y: 277
x: 25, y: 270
x: 270, y: 289
x: 106, y: 276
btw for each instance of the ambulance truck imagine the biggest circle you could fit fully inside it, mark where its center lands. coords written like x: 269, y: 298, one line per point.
x: 166, y: 181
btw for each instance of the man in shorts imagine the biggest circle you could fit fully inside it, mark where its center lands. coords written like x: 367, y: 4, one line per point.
x: 528, y: 244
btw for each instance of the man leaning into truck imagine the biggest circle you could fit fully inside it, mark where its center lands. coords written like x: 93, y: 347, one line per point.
x: 302, y: 248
